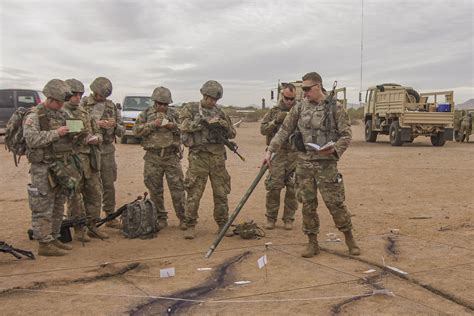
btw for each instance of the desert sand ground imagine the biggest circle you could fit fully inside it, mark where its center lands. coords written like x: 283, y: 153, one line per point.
x: 421, y: 192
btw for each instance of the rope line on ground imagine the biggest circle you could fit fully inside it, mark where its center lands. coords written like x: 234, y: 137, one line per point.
x: 375, y: 292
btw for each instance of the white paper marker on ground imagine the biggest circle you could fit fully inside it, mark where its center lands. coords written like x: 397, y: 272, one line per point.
x: 204, y: 269
x: 168, y: 272
x: 241, y: 282
x: 262, y: 261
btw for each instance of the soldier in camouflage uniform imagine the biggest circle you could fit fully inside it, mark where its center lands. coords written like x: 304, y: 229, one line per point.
x: 207, y: 155
x: 109, y: 120
x: 87, y: 199
x: 55, y: 170
x: 158, y: 128
x: 318, y: 122
x: 281, y: 174
x: 466, y: 127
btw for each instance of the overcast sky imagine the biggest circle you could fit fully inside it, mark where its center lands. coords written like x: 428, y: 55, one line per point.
x: 246, y: 45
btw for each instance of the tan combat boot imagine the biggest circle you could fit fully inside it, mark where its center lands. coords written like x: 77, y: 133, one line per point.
x: 162, y: 223
x: 115, y: 223
x: 60, y: 245
x: 312, y: 248
x: 189, y: 233
x: 228, y: 233
x: 270, y: 224
x: 80, y: 235
x: 351, y: 243
x: 288, y: 225
x: 49, y: 250
x: 93, y: 232
x: 182, y: 225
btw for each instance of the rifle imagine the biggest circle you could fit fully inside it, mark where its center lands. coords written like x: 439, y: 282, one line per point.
x: 219, y: 133
x: 6, y: 248
x: 237, y: 210
x: 117, y: 213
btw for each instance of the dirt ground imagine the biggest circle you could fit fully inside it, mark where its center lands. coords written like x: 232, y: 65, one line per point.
x: 421, y: 192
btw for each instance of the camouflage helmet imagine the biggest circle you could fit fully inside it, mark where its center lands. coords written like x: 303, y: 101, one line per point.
x: 76, y: 85
x: 213, y: 89
x: 101, y: 86
x: 58, y: 90
x: 162, y: 95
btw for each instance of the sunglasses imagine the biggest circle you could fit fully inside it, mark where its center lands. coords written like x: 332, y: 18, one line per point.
x: 162, y: 104
x: 288, y: 98
x: 77, y: 93
x: 307, y: 88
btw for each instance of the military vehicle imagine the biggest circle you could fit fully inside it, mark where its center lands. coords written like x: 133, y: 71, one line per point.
x: 404, y: 114
x: 339, y: 92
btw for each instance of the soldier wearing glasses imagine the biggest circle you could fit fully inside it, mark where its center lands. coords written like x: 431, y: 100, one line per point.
x: 318, y: 122
x: 281, y: 175
x: 158, y: 127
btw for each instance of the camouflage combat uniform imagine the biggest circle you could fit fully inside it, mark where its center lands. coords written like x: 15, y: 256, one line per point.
x: 207, y: 157
x: 314, y: 171
x: 281, y: 174
x: 108, y: 168
x: 162, y: 157
x: 88, y: 198
x: 466, y: 127
x: 47, y: 151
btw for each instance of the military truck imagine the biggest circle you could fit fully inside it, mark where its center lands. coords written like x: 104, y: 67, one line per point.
x: 404, y: 114
x: 339, y: 92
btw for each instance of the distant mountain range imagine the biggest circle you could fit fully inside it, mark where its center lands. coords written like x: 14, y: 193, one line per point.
x: 469, y: 104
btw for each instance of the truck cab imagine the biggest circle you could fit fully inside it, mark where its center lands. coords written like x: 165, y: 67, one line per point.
x: 404, y: 114
x: 132, y: 106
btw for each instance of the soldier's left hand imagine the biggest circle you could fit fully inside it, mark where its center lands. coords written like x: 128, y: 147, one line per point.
x: 327, y: 152
x: 92, y: 140
x: 111, y: 123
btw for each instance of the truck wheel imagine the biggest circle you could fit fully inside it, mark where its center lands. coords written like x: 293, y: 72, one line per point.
x: 370, y: 136
x: 123, y: 140
x: 415, y: 94
x: 395, y: 134
x: 438, y: 139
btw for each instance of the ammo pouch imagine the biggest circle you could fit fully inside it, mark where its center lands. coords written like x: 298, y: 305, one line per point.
x: 296, y: 141
x: 249, y: 230
x: 187, y: 139
x: 67, y: 173
x: 95, y: 158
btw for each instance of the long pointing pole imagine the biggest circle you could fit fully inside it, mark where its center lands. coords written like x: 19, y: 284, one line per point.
x: 237, y: 210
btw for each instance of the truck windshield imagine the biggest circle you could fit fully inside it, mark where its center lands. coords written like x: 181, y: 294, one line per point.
x: 136, y: 103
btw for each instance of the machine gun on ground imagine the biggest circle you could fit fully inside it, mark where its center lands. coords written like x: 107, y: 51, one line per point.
x: 16, y: 252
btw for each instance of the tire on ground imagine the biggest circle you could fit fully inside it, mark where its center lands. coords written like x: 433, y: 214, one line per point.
x: 395, y: 134
x: 370, y: 136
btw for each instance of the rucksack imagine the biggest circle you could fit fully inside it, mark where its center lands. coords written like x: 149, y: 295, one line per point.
x: 140, y: 219
x: 249, y: 230
x: 14, y: 140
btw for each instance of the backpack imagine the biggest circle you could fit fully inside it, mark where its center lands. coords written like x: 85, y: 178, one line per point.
x: 140, y: 219
x: 14, y: 140
x: 249, y: 230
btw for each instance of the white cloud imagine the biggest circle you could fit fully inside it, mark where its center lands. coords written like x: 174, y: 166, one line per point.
x: 247, y: 45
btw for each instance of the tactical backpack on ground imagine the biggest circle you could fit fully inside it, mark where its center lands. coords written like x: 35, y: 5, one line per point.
x: 14, y: 140
x: 140, y: 219
x: 249, y: 230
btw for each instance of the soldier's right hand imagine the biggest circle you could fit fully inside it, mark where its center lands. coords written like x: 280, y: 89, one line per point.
x: 267, y: 159
x: 63, y: 130
x: 158, y: 122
